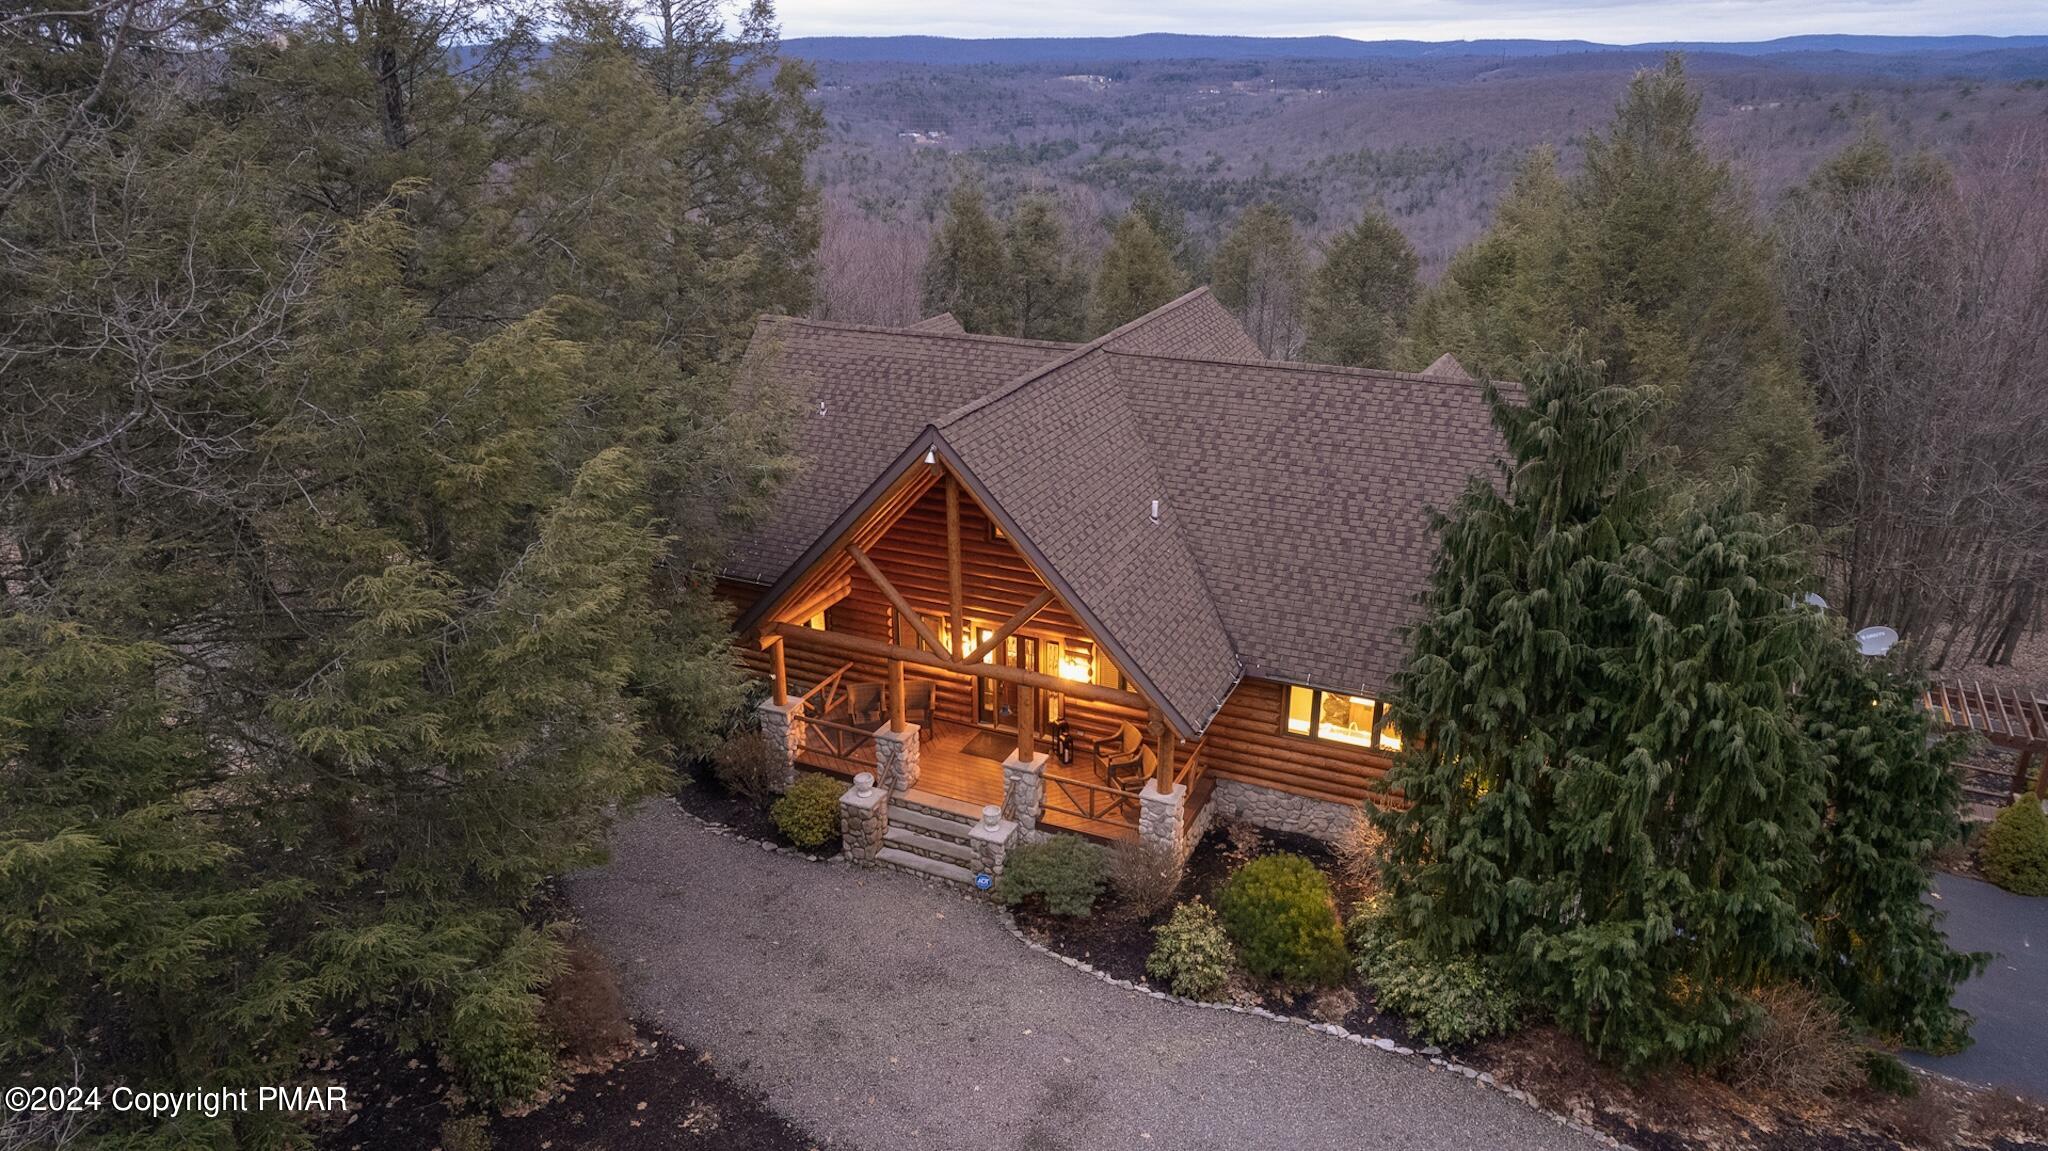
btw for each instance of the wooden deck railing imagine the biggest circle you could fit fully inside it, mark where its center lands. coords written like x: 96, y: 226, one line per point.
x: 1089, y: 799
x: 840, y: 741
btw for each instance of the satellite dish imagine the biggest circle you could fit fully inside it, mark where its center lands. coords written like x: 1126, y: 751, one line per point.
x: 1876, y: 640
x: 1812, y: 599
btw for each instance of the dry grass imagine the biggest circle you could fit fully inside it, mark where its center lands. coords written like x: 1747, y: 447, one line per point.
x: 584, y: 1010
x: 1144, y: 875
x: 1803, y: 1049
x: 1334, y: 1005
x: 749, y: 766
x: 1358, y: 860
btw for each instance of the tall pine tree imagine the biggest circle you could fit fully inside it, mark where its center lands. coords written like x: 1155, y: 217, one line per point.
x: 1652, y: 251
x: 1048, y: 293
x: 1361, y: 295
x: 1260, y: 271
x: 1137, y: 274
x: 966, y: 271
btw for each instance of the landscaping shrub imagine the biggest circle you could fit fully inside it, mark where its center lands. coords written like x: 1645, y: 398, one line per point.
x: 1800, y: 1045
x: 582, y: 1007
x: 1066, y: 871
x: 1144, y: 874
x: 808, y: 813
x: 1446, y: 1001
x: 749, y: 766
x: 2015, y: 851
x: 1191, y: 952
x: 498, y: 1056
x: 1885, y: 1072
x: 1277, y: 910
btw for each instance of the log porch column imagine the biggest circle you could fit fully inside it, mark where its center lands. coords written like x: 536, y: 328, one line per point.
x: 779, y: 666
x: 896, y: 742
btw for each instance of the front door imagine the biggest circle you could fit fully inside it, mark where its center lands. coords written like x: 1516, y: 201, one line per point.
x: 995, y: 701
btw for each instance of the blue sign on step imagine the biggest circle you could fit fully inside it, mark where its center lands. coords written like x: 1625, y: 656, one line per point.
x: 984, y: 881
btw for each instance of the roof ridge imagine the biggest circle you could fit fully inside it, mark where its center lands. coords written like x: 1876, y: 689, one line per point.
x: 923, y: 333
x: 1099, y: 343
x: 1311, y: 366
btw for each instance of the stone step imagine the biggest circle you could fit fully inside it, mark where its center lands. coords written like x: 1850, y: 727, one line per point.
x: 938, y: 806
x: 937, y: 869
x: 936, y: 826
x: 931, y: 846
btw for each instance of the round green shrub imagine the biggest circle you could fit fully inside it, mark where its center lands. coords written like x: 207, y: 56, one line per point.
x: 1191, y: 952
x: 1277, y: 910
x: 2015, y: 851
x: 1446, y: 1001
x: 808, y: 813
x: 1066, y: 871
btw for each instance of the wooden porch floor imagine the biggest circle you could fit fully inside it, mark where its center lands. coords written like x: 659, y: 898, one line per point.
x: 947, y: 767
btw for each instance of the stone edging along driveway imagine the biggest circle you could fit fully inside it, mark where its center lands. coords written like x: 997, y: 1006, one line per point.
x: 1428, y: 1057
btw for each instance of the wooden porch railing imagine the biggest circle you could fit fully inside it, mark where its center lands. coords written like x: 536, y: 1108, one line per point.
x: 840, y: 741
x: 1088, y: 799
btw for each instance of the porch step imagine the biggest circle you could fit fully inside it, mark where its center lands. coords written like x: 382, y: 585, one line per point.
x: 935, y: 805
x: 929, y: 846
x: 923, y: 865
x: 936, y: 826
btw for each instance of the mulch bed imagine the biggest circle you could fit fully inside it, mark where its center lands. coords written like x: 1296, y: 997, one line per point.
x: 660, y: 1095
x: 699, y: 793
x: 1675, y: 1111
x: 1117, y: 941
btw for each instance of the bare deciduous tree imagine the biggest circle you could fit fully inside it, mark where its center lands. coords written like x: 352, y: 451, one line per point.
x: 1921, y: 305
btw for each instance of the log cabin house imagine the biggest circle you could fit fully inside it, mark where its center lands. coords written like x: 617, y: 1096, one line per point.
x: 1116, y: 588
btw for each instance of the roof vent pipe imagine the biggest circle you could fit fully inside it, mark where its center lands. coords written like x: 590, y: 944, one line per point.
x: 1155, y: 511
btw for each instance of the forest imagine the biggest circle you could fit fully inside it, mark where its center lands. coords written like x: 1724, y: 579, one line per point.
x: 375, y: 419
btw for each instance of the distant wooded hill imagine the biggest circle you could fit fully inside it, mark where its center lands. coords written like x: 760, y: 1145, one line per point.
x: 946, y: 51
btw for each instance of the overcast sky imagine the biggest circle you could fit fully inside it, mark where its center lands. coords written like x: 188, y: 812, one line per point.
x: 1612, y: 21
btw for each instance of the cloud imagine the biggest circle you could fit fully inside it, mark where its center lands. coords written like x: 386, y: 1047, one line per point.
x: 1612, y: 21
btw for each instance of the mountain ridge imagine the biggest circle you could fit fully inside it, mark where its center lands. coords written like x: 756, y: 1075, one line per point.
x: 955, y: 51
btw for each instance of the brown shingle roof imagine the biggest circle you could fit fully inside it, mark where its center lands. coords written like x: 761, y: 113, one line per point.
x: 860, y: 395
x: 1293, y: 535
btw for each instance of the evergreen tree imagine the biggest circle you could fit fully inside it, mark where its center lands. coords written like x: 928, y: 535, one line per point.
x: 1260, y: 271
x: 1892, y: 802
x: 356, y: 596
x: 965, y: 272
x: 1361, y: 295
x: 1048, y: 292
x: 1607, y: 786
x: 1653, y: 252
x: 1137, y: 275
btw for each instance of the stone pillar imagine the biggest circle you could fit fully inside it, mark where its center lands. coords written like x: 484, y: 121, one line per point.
x: 991, y: 838
x: 896, y: 758
x: 1024, y: 790
x: 1159, y: 817
x: 863, y: 819
x: 782, y: 725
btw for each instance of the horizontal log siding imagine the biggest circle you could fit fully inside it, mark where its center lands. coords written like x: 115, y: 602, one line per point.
x: 1246, y: 742
x: 996, y: 582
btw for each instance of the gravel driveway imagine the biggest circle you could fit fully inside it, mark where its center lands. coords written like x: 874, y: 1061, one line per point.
x: 884, y: 1013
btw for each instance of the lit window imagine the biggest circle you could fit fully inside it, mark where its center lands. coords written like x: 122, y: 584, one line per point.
x: 1301, y: 710
x: 1346, y: 719
x: 1076, y: 661
x: 1340, y: 718
x: 816, y: 622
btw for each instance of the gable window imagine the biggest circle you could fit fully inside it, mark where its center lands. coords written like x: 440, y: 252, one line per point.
x: 1339, y: 718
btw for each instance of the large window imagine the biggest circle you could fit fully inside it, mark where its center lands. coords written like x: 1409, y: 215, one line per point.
x: 1352, y: 719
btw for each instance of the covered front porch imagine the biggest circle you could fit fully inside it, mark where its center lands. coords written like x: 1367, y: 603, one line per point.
x: 964, y: 763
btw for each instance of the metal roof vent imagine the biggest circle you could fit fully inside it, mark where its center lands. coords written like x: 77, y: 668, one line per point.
x: 821, y: 407
x: 1155, y: 511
